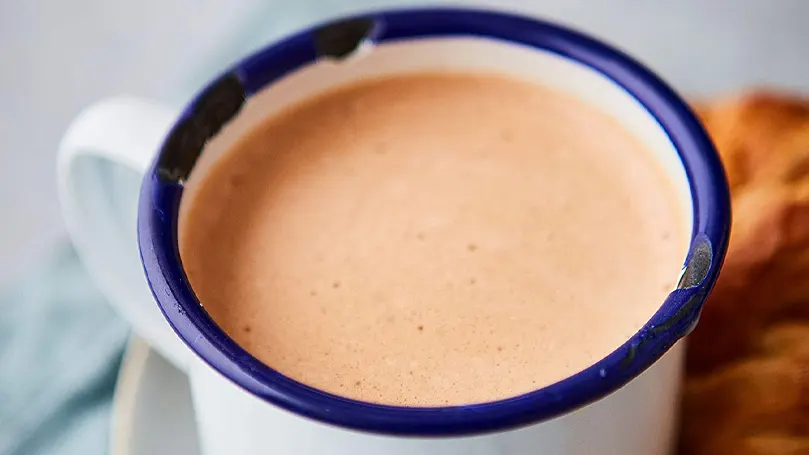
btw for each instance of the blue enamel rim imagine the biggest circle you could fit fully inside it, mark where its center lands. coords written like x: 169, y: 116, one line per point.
x: 157, y: 234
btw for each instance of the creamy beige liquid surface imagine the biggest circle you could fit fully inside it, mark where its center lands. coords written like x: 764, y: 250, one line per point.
x: 433, y: 239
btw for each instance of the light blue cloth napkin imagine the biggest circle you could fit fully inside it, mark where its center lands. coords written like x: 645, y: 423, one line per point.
x: 60, y: 351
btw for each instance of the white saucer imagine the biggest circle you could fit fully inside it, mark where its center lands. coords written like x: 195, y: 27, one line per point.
x: 152, y: 411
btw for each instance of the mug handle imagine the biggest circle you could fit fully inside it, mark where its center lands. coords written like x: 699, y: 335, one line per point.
x: 102, y: 159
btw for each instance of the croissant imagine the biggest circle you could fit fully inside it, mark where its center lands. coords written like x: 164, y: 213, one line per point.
x: 746, y: 390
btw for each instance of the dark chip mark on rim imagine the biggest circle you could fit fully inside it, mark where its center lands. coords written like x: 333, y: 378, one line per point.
x: 698, y: 265
x: 339, y: 39
x: 204, y: 119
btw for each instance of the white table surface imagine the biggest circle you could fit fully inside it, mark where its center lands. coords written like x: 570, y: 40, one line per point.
x: 57, y: 56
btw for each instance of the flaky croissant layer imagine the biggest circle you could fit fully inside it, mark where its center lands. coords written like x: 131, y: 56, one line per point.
x: 747, y: 385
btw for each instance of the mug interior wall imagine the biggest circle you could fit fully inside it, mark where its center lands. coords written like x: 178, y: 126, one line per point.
x: 456, y: 55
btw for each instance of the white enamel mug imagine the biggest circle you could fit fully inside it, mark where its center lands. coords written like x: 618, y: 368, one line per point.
x: 624, y: 404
